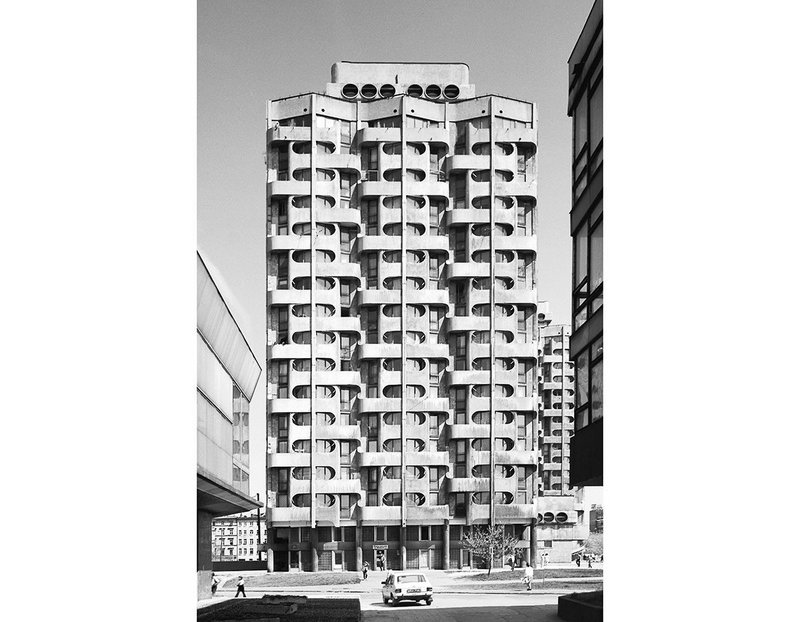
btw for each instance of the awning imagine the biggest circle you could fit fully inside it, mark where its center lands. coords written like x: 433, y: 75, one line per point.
x: 219, y: 499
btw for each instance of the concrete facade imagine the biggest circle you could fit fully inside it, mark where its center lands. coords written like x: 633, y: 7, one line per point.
x: 227, y: 375
x: 586, y: 225
x: 401, y: 318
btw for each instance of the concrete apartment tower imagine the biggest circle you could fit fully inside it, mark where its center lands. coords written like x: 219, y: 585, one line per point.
x: 401, y: 319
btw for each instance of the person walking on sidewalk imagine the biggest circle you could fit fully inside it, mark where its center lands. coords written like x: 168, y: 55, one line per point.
x: 214, y: 583
x: 527, y: 579
x: 240, y: 587
x: 365, y: 569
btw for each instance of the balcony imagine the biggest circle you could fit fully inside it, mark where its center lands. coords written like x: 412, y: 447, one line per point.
x: 469, y: 484
x: 380, y: 514
x: 289, y: 515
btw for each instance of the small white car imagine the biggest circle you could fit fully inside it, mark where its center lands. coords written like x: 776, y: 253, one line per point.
x: 406, y: 586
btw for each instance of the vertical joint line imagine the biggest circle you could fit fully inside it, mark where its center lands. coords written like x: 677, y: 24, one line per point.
x: 312, y: 311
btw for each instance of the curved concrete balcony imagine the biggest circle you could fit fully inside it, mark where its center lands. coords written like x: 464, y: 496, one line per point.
x: 338, y: 486
x: 328, y: 516
x: 466, y: 270
x: 552, y: 438
x: 340, y: 161
x: 377, y: 188
x: 516, y: 350
x: 288, y: 351
x: 468, y: 431
x: 467, y: 216
x: 515, y: 243
x: 428, y: 135
x: 339, y: 269
x: 349, y: 216
x: 377, y: 296
x: 466, y: 162
x: 365, y: 351
x: 515, y: 457
x: 468, y: 376
x: 556, y: 412
x: 284, y: 243
x: 377, y: 135
x: 290, y: 405
x: 515, y: 403
x: 299, y: 486
x: 281, y: 133
x: 477, y: 514
x: 288, y: 296
x: 426, y: 514
x: 377, y: 243
x: 429, y: 351
x: 288, y: 460
x: 520, y: 188
x: 378, y: 458
x: 428, y: 296
x: 428, y: 242
x: 468, y: 484
x: 427, y: 458
x: 515, y: 511
x: 430, y: 186
x: 515, y: 296
x: 516, y: 135
x: 293, y: 516
x: 379, y: 404
x: 290, y: 187
x: 337, y: 378
x: 417, y: 485
x: 337, y: 323
x: 461, y: 323
x: 380, y: 514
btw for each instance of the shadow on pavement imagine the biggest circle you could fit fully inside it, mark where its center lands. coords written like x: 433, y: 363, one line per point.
x: 423, y: 613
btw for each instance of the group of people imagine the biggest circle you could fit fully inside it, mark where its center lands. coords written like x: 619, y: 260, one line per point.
x: 380, y: 564
x: 239, y: 585
x: 588, y: 558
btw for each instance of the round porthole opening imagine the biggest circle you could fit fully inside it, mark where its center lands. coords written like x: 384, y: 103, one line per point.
x: 349, y: 91
x: 451, y: 91
x: 368, y: 91
x: 387, y: 90
x: 433, y: 91
x: 415, y: 90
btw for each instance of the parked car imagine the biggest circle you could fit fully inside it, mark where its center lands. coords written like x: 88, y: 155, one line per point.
x: 406, y: 586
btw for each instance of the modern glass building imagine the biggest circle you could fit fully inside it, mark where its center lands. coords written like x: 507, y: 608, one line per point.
x: 586, y: 221
x: 401, y: 318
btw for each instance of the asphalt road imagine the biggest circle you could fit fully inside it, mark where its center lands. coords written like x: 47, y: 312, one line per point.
x: 465, y: 608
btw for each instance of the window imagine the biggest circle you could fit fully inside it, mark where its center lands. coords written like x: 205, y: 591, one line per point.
x: 460, y: 460
x: 369, y: 213
x: 458, y: 190
x: 587, y: 295
x: 460, y: 405
x: 589, y: 384
x: 369, y: 162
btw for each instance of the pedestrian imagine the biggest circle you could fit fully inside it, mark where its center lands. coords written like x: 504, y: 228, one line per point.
x: 379, y: 562
x: 546, y: 559
x: 365, y: 569
x: 527, y: 579
x: 240, y: 587
x: 214, y: 583
x: 589, y: 561
x: 578, y: 560
x: 511, y: 562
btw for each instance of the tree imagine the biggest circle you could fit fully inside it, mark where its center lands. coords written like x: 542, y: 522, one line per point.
x: 594, y: 545
x: 490, y: 543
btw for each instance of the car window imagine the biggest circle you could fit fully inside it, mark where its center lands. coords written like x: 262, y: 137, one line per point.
x: 411, y: 578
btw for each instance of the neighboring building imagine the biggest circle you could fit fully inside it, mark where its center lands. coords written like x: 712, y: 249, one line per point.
x: 401, y: 318
x: 236, y: 538
x: 596, y: 519
x: 227, y: 373
x: 561, y: 528
x: 586, y: 225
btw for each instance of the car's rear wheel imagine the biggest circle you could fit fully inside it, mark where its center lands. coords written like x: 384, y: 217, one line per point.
x: 428, y: 601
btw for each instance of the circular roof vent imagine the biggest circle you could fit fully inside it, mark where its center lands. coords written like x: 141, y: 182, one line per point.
x: 387, y: 90
x: 451, y: 91
x: 415, y: 90
x: 433, y: 91
x: 368, y: 91
x: 349, y: 91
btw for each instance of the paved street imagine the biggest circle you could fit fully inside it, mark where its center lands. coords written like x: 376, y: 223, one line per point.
x: 466, y: 608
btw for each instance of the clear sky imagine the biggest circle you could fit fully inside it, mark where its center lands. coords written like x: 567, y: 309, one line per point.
x: 253, y: 50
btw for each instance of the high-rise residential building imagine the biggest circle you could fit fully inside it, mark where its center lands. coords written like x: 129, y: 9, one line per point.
x: 586, y: 224
x: 227, y: 376
x: 562, y: 528
x: 401, y: 318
